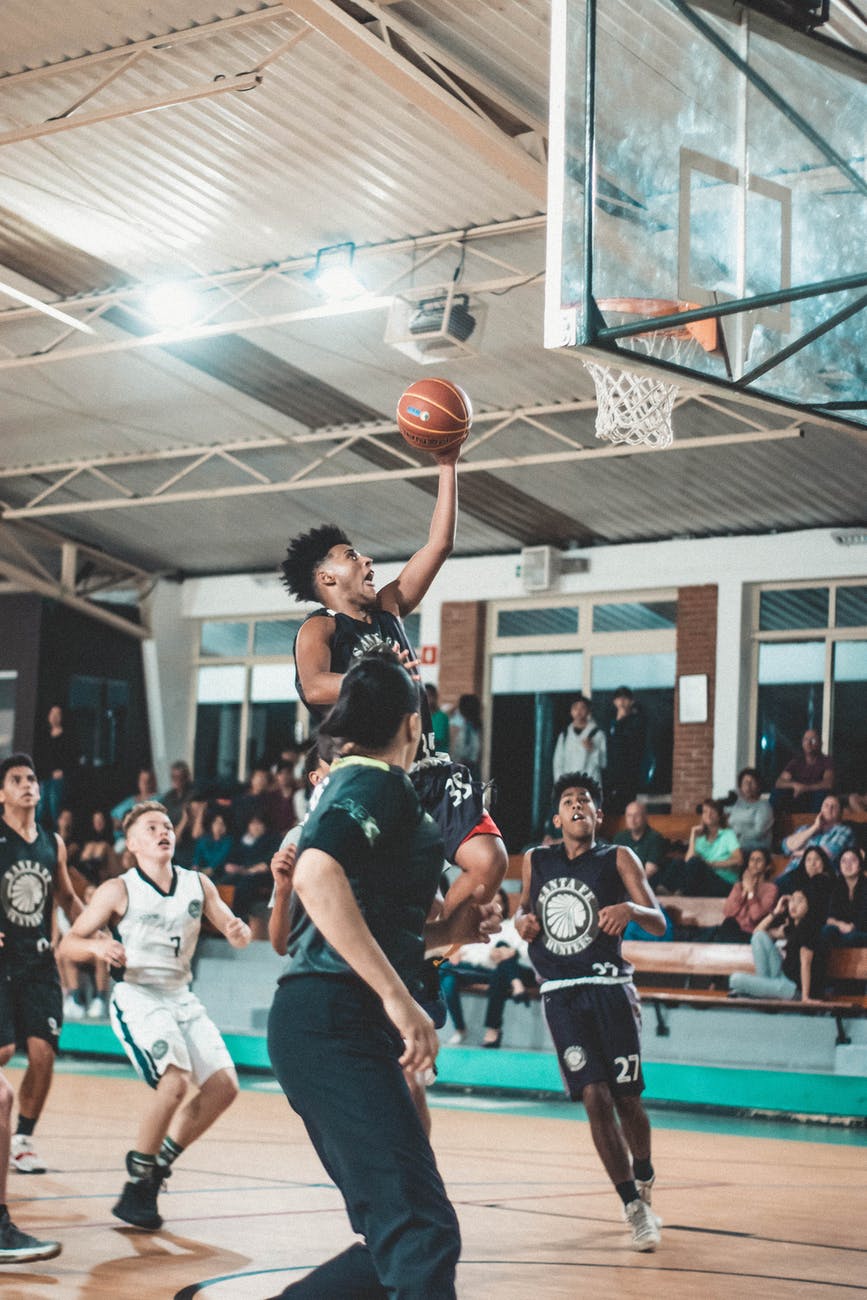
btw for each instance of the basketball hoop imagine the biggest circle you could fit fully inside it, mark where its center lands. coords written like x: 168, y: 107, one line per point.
x: 636, y: 409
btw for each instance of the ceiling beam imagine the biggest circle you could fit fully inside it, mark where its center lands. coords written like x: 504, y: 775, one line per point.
x: 470, y: 127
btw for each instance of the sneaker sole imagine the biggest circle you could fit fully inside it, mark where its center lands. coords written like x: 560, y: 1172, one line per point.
x: 40, y: 1170
x: 152, y: 1225
x: 45, y: 1250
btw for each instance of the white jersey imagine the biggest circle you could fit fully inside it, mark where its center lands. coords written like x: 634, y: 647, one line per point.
x: 159, y: 931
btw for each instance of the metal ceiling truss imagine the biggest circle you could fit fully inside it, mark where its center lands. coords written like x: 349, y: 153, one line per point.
x: 90, y: 477
x: 229, y: 299
x: 32, y: 558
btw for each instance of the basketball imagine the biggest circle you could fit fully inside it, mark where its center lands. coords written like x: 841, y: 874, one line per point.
x: 434, y: 414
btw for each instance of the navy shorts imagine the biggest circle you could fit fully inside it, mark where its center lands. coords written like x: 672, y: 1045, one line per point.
x: 454, y: 800
x: 596, y: 1030
x: 31, y: 1004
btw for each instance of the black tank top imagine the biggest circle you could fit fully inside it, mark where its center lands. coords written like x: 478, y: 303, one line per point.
x: 353, y: 638
x: 26, y: 895
x: 567, y: 896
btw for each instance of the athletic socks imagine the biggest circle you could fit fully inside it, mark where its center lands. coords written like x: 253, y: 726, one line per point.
x: 25, y: 1126
x: 642, y: 1169
x: 168, y: 1153
x: 140, y: 1167
x: 627, y: 1191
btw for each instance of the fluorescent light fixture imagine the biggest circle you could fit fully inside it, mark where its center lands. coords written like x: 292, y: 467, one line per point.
x: 858, y: 537
x: 333, y: 274
x: 172, y: 305
x: 44, y: 307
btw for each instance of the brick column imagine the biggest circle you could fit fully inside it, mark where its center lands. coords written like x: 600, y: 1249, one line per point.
x: 462, y: 649
x: 692, y: 777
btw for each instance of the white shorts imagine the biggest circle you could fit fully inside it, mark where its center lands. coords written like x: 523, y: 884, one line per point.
x: 159, y: 1028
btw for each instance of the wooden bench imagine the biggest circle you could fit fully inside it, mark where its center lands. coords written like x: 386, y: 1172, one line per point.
x: 717, y: 961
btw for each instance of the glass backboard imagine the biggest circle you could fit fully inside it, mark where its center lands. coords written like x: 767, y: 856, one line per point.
x: 704, y: 155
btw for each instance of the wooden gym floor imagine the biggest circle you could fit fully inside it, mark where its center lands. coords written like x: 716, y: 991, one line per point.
x: 750, y: 1208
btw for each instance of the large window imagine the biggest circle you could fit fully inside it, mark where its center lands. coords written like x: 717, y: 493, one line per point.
x: 811, y: 672
x: 8, y: 685
x: 540, y: 655
x: 247, y: 707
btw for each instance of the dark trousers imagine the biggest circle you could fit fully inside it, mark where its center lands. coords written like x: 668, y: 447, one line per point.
x: 335, y: 1055
x: 498, y: 979
x: 694, y: 878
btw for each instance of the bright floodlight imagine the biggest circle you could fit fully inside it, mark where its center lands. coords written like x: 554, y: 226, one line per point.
x: 172, y: 305
x: 333, y: 274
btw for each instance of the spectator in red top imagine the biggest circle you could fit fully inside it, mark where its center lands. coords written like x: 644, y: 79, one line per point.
x: 752, y: 898
x: 806, y: 778
x: 280, y: 802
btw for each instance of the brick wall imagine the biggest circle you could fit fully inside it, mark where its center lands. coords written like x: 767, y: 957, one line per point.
x: 462, y: 649
x: 692, y: 778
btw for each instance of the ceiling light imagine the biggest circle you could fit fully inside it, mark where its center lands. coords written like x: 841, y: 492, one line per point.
x: 333, y: 273
x: 172, y: 305
x: 45, y: 307
x: 855, y: 538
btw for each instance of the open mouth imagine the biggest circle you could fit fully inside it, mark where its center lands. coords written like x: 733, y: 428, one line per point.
x: 164, y: 844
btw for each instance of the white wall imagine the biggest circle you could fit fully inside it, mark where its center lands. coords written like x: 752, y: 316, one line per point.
x: 732, y: 563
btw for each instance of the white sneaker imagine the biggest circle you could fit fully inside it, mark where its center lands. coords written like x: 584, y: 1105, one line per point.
x: 645, y: 1233
x: 23, y: 1157
x: 72, y: 1010
x: 97, y: 1009
x: 457, y: 1038
x: 645, y: 1191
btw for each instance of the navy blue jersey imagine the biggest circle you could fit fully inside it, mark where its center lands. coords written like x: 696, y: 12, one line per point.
x: 567, y: 896
x: 352, y: 638
x: 26, y: 894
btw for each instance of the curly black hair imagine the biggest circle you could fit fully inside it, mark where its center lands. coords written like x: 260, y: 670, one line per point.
x: 577, y: 781
x: 304, y: 555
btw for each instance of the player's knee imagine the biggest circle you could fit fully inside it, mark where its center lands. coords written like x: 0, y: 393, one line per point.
x: 7, y: 1096
x: 223, y: 1087
x: 597, y: 1100
x: 40, y: 1054
x: 174, y: 1084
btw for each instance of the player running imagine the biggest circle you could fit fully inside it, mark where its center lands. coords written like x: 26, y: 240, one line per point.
x: 577, y: 898
x: 155, y: 913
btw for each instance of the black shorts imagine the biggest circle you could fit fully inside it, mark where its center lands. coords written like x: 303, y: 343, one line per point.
x: 454, y: 800
x: 596, y: 1030
x: 31, y: 1005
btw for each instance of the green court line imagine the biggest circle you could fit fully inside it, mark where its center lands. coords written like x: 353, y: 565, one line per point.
x: 737, y: 1089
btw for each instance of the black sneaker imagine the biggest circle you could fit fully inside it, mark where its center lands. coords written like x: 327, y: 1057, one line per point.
x: 17, y: 1247
x: 138, y: 1205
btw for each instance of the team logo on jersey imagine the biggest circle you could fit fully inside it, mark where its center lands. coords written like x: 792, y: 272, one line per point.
x: 575, y: 1058
x: 569, y: 912
x: 195, y: 908
x: 159, y: 1049
x: 24, y: 891
x: 367, y: 824
x: 372, y: 641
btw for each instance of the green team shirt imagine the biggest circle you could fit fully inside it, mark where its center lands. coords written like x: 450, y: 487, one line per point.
x: 370, y: 820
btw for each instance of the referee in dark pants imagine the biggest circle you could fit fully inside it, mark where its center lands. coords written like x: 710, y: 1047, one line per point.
x: 345, y: 1027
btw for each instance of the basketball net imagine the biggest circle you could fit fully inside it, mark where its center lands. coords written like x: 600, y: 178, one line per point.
x: 636, y: 409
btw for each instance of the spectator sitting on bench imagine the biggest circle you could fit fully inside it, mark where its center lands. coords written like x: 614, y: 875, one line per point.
x: 750, y: 816
x: 753, y: 897
x: 249, y: 867
x: 502, y: 964
x: 646, y: 843
x: 806, y: 778
x: 713, y: 858
x: 795, y: 925
x: 211, y: 851
x: 846, y: 926
x: 828, y: 831
x: 814, y: 873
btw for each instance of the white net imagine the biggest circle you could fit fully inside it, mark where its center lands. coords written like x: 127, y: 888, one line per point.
x: 631, y: 408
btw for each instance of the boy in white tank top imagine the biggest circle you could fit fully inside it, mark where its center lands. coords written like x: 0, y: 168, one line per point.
x: 154, y: 913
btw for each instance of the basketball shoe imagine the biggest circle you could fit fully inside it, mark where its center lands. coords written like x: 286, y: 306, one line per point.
x: 645, y: 1233
x: 138, y: 1204
x: 645, y: 1191
x: 17, y: 1247
x: 23, y: 1157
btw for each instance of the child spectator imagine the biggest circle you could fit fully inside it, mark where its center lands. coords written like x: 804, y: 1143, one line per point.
x: 502, y: 964
x: 211, y: 851
x: 249, y: 869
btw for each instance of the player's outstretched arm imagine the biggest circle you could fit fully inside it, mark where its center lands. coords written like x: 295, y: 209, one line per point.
x: 231, y: 927
x: 63, y: 890
x: 642, y: 906
x: 410, y: 586
x: 83, y: 942
x: 526, y: 923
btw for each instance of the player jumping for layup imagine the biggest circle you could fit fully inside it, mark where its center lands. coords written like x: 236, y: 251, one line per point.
x: 155, y: 910
x: 577, y: 898
x: 324, y: 566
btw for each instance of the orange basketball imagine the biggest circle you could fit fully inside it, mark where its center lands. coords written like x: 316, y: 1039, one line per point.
x: 434, y: 414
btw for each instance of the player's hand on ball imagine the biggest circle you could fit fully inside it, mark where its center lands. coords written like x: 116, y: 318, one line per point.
x: 238, y: 933
x: 283, y: 869
x: 528, y: 926
x: 449, y: 455
x: 411, y: 665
